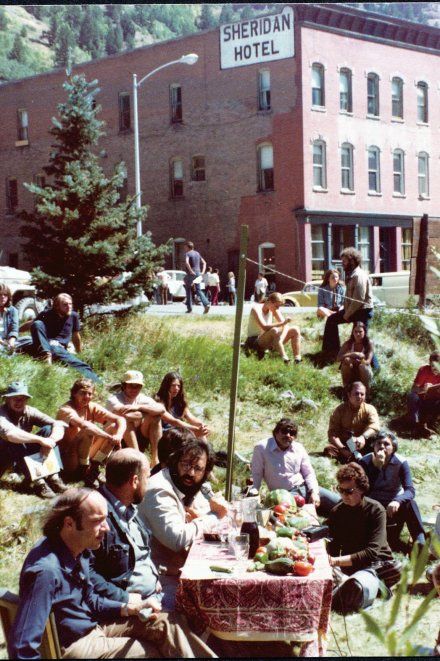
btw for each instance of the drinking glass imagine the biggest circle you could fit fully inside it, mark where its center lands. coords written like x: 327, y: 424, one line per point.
x: 241, y: 550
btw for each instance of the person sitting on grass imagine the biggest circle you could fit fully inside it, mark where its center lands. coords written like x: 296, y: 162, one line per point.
x: 358, y: 546
x: 391, y: 485
x: 142, y: 414
x: 354, y: 422
x: 170, y: 441
x: 283, y: 463
x: 424, y: 398
x: 356, y: 356
x: 56, y: 576
x: 18, y: 441
x: 171, y: 395
x: 330, y: 294
x: 86, y: 445
x: 53, y: 330
x: 268, y: 329
x: 8, y: 320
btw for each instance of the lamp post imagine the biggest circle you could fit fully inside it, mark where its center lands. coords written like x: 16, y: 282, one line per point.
x: 191, y: 58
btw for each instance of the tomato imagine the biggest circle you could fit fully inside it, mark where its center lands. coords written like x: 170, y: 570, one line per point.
x: 281, y: 509
x: 261, y: 549
x: 299, y: 500
x: 311, y: 558
x: 301, y: 568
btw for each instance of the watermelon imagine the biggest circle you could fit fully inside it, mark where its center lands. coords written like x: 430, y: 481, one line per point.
x: 278, y: 496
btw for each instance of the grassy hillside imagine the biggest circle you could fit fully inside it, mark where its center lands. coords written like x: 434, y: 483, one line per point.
x: 201, y: 348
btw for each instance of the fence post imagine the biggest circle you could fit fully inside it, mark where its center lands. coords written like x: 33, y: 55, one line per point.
x: 244, y: 236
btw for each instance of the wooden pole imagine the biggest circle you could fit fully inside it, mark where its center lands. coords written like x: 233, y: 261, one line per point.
x: 244, y: 236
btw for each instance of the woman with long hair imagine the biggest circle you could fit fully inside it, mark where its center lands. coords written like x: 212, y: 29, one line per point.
x: 356, y: 356
x: 8, y: 320
x: 172, y: 395
x: 330, y: 294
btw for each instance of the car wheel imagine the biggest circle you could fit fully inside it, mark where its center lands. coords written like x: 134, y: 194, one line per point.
x: 28, y: 308
x: 290, y: 304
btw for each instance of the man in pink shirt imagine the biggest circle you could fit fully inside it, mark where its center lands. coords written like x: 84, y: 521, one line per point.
x: 283, y: 463
x: 424, y: 398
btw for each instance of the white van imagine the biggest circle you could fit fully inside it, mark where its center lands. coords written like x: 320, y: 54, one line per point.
x: 392, y: 288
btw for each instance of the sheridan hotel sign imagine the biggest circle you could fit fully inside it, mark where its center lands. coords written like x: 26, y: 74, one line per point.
x: 262, y: 39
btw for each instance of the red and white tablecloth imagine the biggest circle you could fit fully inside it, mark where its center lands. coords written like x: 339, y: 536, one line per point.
x: 256, y: 606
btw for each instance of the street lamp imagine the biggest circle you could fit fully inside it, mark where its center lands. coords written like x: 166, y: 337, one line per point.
x: 191, y: 58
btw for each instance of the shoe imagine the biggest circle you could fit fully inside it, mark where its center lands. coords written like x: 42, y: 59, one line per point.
x: 207, y: 307
x: 298, y: 360
x: 286, y: 361
x: 188, y: 311
x: 56, y: 483
x: 43, y: 490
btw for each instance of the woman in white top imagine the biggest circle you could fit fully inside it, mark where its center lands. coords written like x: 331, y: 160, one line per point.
x: 267, y: 329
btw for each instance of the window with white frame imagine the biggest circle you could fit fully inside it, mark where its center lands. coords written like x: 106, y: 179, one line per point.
x: 22, y: 125
x: 406, y: 248
x: 374, y: 170
x: 318, y: 250
x: 124, y: 111
x: 176, y: 111
x: 347, y: 179
x: 11, y: 194
x: 319, y: 165
x: 364, y: 246
x: 264, y: 90
x: 423, y: 172
x: 198, y: 168
x: 422, y: 102
x: 265, y: 168
x: 398, y: 172
x: 318, y: 91
x: 373, y: 94
x: 345, y: 90
x: 176, y: 177
x: 397, y: 97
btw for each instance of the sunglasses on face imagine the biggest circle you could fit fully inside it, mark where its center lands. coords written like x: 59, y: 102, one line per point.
x: 347, y: 492
x: 288, y: 431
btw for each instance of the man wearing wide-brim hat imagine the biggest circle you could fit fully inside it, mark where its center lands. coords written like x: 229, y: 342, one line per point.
x: 17, y: 439
x: 142, y: 413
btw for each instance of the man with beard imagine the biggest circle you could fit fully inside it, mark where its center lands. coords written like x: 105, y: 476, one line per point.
x: 175, y: 509
x: 424, y: 398
x: 358, y: 301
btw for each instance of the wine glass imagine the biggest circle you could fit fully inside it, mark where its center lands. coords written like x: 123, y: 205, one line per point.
x: 241, y: 550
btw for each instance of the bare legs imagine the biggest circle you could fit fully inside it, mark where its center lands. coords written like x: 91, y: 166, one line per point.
x: 276, y: 338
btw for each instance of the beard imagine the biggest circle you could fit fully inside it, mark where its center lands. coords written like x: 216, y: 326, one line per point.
x: 190, y: 490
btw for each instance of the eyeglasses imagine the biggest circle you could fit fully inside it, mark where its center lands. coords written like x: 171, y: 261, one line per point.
x: 288, y: 430
x: 347, y: 492
x: 186, y: 466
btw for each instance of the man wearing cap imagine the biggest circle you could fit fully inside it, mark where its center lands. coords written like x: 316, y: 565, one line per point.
x: 17, y: 441
x: 142, y: 413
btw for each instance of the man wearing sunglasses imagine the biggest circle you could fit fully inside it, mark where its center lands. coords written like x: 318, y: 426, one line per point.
x: 358, y: 545
x: 283, y: 463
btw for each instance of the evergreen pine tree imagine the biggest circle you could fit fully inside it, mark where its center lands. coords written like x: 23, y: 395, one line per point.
x: 64, y: 45
x: 80, y: 236
x: 19, y: 51
x: 227, y: 15
x: 3, y: 19
x: 206, y: 20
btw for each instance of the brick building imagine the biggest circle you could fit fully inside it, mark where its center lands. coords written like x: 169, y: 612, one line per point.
x: 336, y: 144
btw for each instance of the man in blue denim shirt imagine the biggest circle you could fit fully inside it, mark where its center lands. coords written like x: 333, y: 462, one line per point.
x: 391, y: 485
x: 56, y: 576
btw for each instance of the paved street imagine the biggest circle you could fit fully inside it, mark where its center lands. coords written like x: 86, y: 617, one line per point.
x: 222, y: 310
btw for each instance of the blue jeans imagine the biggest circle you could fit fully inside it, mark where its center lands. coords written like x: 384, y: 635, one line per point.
x: 328, y: 498
x: 331, y: 340
x: 189, y: 279
x: 41, y: 344
x: 419, y: 408
x: 408, y: 513
x: 12, y: 454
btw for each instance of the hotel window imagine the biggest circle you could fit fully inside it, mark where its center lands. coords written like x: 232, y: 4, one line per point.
x: 422, y: 102
x: 264, y: 90
x: 318, y: 250
x: 319, y: 165
x: 347, y: 167
x: 124, y: 111
x: 345, y: 91
x: 373, y: 94
x: 374, y: 170
x: 406, y: 248
x: 176, y: 177
x: 11, y: 194
x: 423, y: 170
x: 265, y: 168
x: 397, y: 98
x: 398, y: 172
x: 176, y: 104
x: 318, y: 92
x: 364, y: 246
x: 198, y: 168
x: 22, y: 125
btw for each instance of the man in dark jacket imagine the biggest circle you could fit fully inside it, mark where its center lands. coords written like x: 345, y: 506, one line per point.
x: 391, y: 485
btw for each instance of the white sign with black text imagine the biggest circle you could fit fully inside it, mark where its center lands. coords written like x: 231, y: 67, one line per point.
x: 261, y: 39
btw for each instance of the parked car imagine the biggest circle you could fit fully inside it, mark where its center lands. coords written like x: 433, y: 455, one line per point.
x: 391, y: 287
x: 176, y: 284
x: 308, y: 296
x: 23, y: 292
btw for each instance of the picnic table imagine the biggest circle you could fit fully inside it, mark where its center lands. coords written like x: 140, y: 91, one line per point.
x: 256, y: 606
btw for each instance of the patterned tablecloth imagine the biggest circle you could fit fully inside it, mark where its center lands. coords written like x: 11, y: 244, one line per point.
x: 256, y: 606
